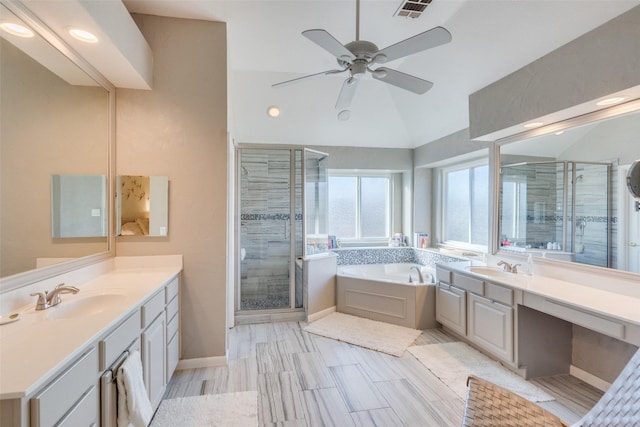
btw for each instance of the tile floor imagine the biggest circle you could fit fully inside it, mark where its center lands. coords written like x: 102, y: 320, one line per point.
x: 308, y: 380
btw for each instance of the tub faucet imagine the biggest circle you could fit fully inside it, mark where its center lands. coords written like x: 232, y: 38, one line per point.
x: 49, y: 299
x: 420, y: 276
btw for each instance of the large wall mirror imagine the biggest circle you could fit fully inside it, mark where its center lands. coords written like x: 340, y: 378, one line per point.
x: 55, y: 123
x: 563, y: 195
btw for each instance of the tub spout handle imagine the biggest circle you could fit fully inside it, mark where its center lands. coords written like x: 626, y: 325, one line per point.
x: 420, y: 277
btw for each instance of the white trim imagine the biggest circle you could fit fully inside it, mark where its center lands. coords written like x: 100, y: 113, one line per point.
x: 203, y: 362
x: 588, y: 378
x: 319, y: 315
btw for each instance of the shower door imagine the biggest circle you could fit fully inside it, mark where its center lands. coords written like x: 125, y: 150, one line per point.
x: 267, y: 180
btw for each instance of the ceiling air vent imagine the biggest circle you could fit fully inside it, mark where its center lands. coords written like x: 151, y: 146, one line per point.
x: 412, y: 8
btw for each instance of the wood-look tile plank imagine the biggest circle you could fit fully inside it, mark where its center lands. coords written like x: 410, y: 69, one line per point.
x: 219, y: 382
x: 243, y: 375
x: 434, y: 336
x: 385, y: 417
x: 279, y: 397
x: 290, y: 423
x: 272, y: 357
x: 357, y: 389
x: 378, y: 366
x: 312, y: 371
x: 412, y: 409
x: 335, y: 353
x: 325, y: 407
x: 183, y: 389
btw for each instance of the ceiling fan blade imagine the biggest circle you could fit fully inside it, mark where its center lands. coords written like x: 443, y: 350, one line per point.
x: 423, y: 41
x: 402, y: 80
x: 346, y: 93
x: 309, y: 76
x: 329, y: 43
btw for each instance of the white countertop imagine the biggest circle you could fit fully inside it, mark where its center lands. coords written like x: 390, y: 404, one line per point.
x: 590, y: 298
x: 37, y: 346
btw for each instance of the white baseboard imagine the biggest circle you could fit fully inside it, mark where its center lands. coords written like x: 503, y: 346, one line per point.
x: 203, y: 362
x: 319, y: 315
x: 588, y: 378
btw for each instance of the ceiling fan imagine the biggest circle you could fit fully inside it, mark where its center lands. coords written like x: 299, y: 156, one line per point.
x: 359, y: 56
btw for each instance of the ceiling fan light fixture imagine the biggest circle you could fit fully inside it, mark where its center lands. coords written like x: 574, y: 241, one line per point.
x: 344, y: 115
x: 380, y: 58
x: 380, y: 74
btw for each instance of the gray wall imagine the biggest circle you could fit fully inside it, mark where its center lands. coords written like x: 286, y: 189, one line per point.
x: 600, y: 62
x: 178, y: 129
x: 392, y: 159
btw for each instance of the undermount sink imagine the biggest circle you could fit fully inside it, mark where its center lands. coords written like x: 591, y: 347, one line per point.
x: 85, y: 306
x: 489, y: 271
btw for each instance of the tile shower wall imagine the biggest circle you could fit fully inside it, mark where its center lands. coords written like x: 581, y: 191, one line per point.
x: 265, y: 228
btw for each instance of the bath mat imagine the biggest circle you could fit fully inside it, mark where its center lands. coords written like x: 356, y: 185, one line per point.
x: 454, y: 362
x: 228, y: 410
x: 371, y: 334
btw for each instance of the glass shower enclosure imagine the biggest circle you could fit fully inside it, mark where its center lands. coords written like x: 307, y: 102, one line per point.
x: 281, y: 198
x: 560, y: 209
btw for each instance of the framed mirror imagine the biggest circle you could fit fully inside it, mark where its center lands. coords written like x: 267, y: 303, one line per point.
x: 143, y: 205
x: 563, y: 195
x: 56, y: 121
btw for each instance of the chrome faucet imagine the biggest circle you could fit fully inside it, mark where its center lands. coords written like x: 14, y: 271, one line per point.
x: 48, y: 299
x: 509, y: 268
x: 420, y: 276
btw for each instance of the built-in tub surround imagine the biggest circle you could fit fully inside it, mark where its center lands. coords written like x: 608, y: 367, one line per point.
x: 390, y: 293
x: 42, y: 342
x: 388, y: 255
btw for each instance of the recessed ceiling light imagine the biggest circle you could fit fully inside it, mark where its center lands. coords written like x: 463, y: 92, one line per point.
x: 611, y: 101
x: 273, y: 111
x: 560, y: 132
x: 533, y: 125
x: 83, y: 35
x: 16, y: 29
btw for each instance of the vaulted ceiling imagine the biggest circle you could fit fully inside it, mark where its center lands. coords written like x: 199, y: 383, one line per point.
x: 491, y: 38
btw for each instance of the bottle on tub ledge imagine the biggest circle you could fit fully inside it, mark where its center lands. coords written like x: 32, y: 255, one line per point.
x: 397, y: 240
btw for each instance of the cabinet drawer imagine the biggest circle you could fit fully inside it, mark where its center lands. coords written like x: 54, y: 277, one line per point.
x: 152, y: 308
x: 596, y: 323
x: 171, y: 290
x: 172, y: 327
x: 172, y: 309
x: 117, y: 341
x: 85, y: 413
x: 62, y: 394
x: 443, y: 275
x: 470, y: 284
x: 173, y: 355
x: 498, y: 293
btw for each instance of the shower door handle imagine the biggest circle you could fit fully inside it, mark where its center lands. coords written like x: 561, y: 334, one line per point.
x: 633, y: 244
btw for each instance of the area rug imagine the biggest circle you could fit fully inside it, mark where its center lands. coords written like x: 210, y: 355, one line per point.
x: 454, y: 362
x: 228, y: 410
x: 371, y: 334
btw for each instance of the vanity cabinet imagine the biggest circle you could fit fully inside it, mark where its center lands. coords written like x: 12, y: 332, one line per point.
x: 478, y: 311
x: 77, y: 397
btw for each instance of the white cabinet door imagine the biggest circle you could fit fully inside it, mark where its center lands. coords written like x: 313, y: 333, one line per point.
x: 491, y: 326
x: 451, y: 308
x: 154, y: 349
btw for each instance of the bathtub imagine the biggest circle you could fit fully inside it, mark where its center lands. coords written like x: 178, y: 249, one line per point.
x: 386, y: 293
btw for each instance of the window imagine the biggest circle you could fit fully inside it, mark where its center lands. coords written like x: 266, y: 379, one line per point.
x: 466, y: 205
x: 359, y: 206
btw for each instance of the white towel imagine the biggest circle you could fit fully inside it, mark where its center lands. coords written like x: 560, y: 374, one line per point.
x: 134, y: 407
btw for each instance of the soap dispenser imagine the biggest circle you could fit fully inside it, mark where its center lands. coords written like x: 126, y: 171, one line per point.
x: 530, y: 264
